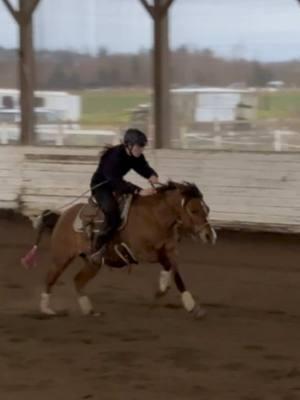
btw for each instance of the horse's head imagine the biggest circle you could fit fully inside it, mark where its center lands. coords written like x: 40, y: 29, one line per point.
x: 192, y: 211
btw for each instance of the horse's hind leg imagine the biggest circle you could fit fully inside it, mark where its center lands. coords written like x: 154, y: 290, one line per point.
x: 88, y: 272
x: 52, y: 276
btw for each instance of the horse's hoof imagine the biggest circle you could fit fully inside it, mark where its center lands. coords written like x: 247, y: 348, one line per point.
x: 45, y: 305
x: 86, y: 306
x: 47, y: 311
x: 95, y: 314
x: 199, y: 312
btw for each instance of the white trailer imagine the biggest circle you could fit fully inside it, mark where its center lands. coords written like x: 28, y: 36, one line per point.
x: 50, y: 106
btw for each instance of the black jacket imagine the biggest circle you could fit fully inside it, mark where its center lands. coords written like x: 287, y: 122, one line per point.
x: 114, y: 164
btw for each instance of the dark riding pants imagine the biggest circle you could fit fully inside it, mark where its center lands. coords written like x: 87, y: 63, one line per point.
x: 109, y: 205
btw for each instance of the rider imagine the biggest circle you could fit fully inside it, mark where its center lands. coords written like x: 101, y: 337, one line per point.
x: 107, y: 181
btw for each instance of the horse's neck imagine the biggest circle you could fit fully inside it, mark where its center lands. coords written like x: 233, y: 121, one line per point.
x: 169, y: 205
x: 162, y: 206
x: 173, y: 199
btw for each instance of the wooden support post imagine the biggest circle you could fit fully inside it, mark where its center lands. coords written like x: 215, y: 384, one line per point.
x: 24, y: 17
x: 161, y: 72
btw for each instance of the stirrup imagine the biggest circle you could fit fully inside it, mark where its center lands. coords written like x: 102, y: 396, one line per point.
x: 97, y: 257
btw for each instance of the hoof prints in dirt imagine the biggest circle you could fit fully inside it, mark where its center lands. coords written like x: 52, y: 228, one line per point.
x: 157, y: 304
x: 17, y: 340
x: 254, y: 347
x: 233, y: 366
x: 252, y: 398
x: 136, y: 335
x: 187, y: 358
x: 276, y: 357
x: 12, y: 286
x: 86, y: 341
x: 278, y: 374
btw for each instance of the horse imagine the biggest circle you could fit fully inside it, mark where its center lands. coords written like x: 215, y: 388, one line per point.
x: 150, y: 234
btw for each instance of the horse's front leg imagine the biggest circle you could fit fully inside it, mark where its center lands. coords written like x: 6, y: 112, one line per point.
x: 165, y: 275
x: 186, y: 297
x: 169, y: 262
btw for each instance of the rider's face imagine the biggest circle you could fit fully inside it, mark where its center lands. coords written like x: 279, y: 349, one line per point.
x: 137, y: 150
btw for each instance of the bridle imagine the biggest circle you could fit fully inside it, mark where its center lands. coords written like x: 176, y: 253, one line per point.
x: 184, y: 205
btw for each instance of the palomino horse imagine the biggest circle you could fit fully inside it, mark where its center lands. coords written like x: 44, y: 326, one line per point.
x: 150, y: 235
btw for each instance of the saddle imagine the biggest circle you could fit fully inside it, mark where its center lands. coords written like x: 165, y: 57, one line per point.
x: 90, y: 220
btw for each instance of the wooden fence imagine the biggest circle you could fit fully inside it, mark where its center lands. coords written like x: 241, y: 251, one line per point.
x: 245, y: 190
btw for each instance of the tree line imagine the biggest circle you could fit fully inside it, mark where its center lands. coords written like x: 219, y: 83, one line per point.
x: 70, y: 70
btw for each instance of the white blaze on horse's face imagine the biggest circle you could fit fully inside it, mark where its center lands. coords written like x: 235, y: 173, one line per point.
x: 197, y: 219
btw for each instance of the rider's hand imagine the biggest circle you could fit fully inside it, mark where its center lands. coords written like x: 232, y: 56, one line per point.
x: 147, y: 192
x: 154, y: 180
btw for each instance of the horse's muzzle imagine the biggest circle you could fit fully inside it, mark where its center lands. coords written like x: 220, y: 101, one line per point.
x: 207, y: 234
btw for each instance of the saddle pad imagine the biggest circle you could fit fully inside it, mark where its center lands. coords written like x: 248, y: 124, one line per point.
x: 90, y: 214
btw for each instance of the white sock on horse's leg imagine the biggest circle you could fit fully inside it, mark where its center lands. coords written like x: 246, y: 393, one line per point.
x: 164, y: 280
x: 188, y: 301
x: 45, y: 304
x: 85, y: 305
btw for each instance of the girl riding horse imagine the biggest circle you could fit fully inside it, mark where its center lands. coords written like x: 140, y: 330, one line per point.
x: 151, y: 230
x: 107, y: 183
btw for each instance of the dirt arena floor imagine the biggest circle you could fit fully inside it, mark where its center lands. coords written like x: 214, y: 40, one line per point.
x: 247, y: 348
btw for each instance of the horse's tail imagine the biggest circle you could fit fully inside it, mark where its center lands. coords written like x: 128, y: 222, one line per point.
x: 46, y: 221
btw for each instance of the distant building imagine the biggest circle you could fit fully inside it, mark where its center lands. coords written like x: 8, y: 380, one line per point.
x: 49, y: 106
x: 209, y: 105
x: 275, y: 84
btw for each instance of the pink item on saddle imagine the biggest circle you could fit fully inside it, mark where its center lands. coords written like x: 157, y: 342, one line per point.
x: 30, y: 259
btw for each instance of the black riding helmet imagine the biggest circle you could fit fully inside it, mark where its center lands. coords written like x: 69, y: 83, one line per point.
x: 135, y: 136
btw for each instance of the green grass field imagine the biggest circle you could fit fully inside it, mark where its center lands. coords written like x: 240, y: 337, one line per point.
x: 111, y: 107
x: 281, y: 104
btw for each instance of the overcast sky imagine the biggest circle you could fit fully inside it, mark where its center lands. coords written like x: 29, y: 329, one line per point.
x: 263, y: 29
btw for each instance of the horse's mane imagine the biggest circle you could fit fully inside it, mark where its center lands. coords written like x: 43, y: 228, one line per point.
x: 187, y: 189
x: 170, y: 185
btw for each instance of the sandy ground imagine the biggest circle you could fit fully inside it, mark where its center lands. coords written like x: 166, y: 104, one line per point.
x: 247, y: 348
